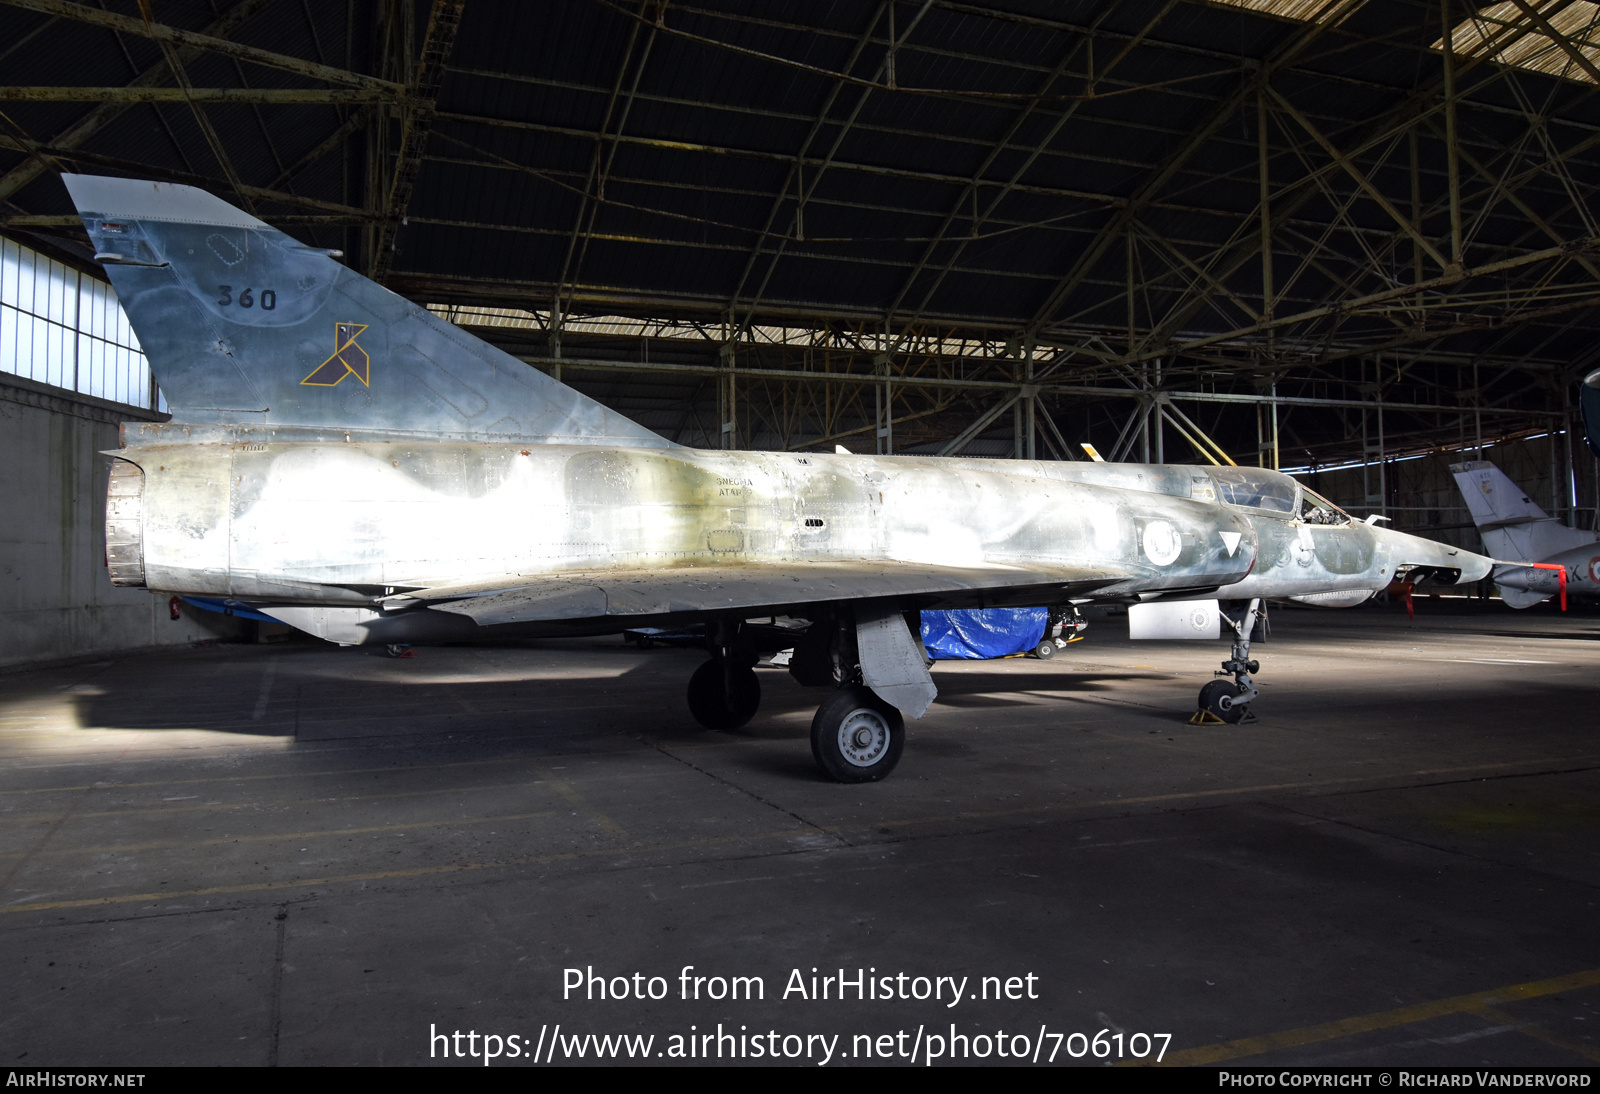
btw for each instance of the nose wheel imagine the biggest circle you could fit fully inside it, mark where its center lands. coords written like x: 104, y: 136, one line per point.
x: 1217, y: 699
x: 857, y: 737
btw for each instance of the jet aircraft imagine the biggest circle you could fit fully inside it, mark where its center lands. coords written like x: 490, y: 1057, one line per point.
x: 344, y: 460
x: 1516, y: 529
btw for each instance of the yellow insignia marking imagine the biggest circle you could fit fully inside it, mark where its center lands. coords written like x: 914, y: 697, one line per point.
x: 348, y: 359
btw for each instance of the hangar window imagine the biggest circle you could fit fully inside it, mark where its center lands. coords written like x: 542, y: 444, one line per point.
x: 64, y: 328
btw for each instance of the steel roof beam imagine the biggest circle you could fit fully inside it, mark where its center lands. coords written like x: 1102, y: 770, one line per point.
x: 1361, y: 180
x: 209, y: 42
x: 1564, y: 43
x: 257, y: 95
x: 796, y: 168
x: 970, y: 190
x: 1008, y: 387
x: 1112, y: 201
x: 1398, y: 117
x: 417, y: 111
x: 594, y: 186
x: 91, y: 123
x: 188, y: 178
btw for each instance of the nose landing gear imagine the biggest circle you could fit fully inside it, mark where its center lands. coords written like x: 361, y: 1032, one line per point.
x: 1225, y: 700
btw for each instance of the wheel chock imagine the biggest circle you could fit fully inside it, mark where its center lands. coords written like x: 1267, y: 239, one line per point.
x: 1205, y: 718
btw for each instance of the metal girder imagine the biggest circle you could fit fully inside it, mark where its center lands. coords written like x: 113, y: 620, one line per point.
x: 1510, y: 194
x: 1360, y: 179
x: 333, y: 140
x: 1152, y: 185
x: 1027, y: 163
x: 987, y: 418
x: 1352, y: 305
x: 92, y: 122
x: 1565, y: 44
x: 417, y: 110
x: 134, y: 94
x: 795, y: 177
x: 1225, y: 262
x: 166, y: 174
x: 1010, y: 389
x: 211, y: 43
x: 594, y: 184
x: 203, y: 123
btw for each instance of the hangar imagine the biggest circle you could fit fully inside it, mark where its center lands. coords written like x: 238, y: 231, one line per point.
x: 1350, y: 240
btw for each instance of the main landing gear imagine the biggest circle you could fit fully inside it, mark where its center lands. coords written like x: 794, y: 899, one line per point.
x: 857, y: 736
x: 1228, y: 700
x: 724, y: 692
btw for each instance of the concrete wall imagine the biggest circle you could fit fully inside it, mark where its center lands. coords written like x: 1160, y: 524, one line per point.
x: 56, y: 599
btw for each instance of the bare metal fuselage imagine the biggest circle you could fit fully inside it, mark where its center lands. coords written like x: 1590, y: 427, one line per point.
x: 335, y: 523
x: 342, y: 526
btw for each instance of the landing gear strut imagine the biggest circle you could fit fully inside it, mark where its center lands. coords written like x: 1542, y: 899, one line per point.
x: 864, y: 654
x: 1062, y: 625
x: 1229, y: 700
x: 724, y: 692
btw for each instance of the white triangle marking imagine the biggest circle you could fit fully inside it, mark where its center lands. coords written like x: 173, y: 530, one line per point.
x: 1230, y: 540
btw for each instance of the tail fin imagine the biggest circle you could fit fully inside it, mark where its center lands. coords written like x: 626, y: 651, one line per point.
x: 1589, y: 406
x: 1513, y: 527
x: 244, y: 326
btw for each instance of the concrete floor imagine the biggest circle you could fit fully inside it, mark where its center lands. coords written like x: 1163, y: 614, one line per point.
x: 300, y: 854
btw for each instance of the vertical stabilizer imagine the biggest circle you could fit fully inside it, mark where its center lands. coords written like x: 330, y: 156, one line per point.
x: 1514, y: 529
x: 247, y: 327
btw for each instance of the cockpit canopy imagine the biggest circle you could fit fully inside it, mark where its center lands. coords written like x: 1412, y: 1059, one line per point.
x: 1257, y: 488
x: 1275, y: 493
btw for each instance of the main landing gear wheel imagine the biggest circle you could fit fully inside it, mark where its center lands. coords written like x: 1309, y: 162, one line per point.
x: 1211, y: 701
x: 857, y: 737
x: 723, y: 695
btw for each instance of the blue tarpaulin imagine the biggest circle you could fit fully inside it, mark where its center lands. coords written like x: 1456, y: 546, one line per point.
x: 228, y: 607
x: 978, y: 633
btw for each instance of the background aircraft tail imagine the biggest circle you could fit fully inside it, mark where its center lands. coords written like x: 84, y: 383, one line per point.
x: 246, y: 327
x: 1514, y: 529
x: 1589, y: 406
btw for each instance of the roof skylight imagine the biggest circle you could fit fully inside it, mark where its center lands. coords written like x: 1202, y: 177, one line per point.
x: 1507, y: 34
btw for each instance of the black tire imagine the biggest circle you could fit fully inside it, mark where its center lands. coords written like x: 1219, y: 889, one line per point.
x: 643, y: 642
x: 723, y: 702
x: 1211, y: 700
x: 1045, y: 650
x: 857, y: 737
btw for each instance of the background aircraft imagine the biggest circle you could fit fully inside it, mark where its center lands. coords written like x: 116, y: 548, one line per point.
x: 347, y: 462
x: 1517, y: 530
